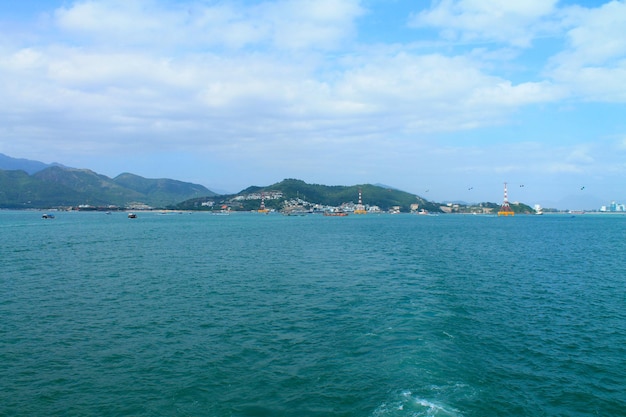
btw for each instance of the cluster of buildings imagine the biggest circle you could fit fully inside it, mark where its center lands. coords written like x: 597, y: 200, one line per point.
x: 111, y: 207
x: 298, y: 205
x: 266, y: 195
x: 613, y: 207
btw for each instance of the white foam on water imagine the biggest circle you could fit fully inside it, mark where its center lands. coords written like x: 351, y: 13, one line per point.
x: 409, y: 405
x: 434, y: 409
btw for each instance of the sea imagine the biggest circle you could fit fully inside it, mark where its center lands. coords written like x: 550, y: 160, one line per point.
x: 244, y: 315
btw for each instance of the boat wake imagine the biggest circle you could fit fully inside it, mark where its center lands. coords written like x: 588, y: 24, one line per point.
x: 407, y: 404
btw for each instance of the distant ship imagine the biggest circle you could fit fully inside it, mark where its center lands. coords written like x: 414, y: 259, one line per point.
x: 336, y: 213
x: 223, y: 211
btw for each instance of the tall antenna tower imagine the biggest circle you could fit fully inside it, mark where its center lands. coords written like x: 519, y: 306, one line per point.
x: 505, y: 209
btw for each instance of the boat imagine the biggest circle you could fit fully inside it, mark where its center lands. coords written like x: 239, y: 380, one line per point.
x: 296, y: 213
x: 132, y: 216
x: 223, y: 211
x: 335, y: 213
x: 47, y: 216
x: 297, y: 210
x: 428, y: 213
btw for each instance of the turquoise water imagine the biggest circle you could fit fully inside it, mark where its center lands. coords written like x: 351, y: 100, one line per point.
x: 254, y: 315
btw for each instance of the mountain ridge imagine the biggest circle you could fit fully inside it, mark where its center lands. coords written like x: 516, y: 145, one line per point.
x: 29, y: 166
x: 55, y: 185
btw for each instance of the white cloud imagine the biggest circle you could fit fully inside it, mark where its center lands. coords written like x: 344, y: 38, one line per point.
x: 119, y: 24
x: 289, y: 24
x: 110, y: 17
x: 311, y: 23
x: 509, y: 22
x: 598, y: 35
x: 594, y: 63
x: 142, y: 84
x: 580, y: 155
x: 433, y: 92
x: 591, y: 67
x: 206, y: 97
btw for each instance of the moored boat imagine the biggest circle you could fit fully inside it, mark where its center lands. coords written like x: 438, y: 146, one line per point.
x: 336, y: 213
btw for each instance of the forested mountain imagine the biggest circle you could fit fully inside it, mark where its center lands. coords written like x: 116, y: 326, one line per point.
x: 162, y: 189
x: 57, y: 186
x: 20, y: 190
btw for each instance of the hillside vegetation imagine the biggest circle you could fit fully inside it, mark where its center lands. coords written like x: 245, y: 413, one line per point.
x: 294, y: 190
x: 58, y: 186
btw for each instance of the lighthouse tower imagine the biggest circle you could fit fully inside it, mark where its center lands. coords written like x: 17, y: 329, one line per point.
x: 360, y: 208
x: 263, y: 209
x: 505, y: 209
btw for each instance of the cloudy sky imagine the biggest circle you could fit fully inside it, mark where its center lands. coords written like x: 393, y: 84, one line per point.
x: 447, y: 99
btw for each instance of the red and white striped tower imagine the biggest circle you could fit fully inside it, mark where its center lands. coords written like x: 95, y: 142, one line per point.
x: 506, y: 198
x: 505, y: 210
x: 263, y: 209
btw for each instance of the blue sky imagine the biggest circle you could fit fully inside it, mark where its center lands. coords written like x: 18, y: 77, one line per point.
x: 445, y: 99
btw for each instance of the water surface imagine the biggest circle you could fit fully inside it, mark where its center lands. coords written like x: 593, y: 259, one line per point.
x: 269, y: 315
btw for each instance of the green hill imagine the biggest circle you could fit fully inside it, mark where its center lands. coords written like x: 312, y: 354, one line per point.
x: 293, y: 189
x: 95, y: 189
x: 58, y: 186
x: 162, y: 191
x: 20, y: 190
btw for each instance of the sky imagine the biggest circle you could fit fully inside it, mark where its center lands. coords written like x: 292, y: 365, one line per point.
x: 446, y: 99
